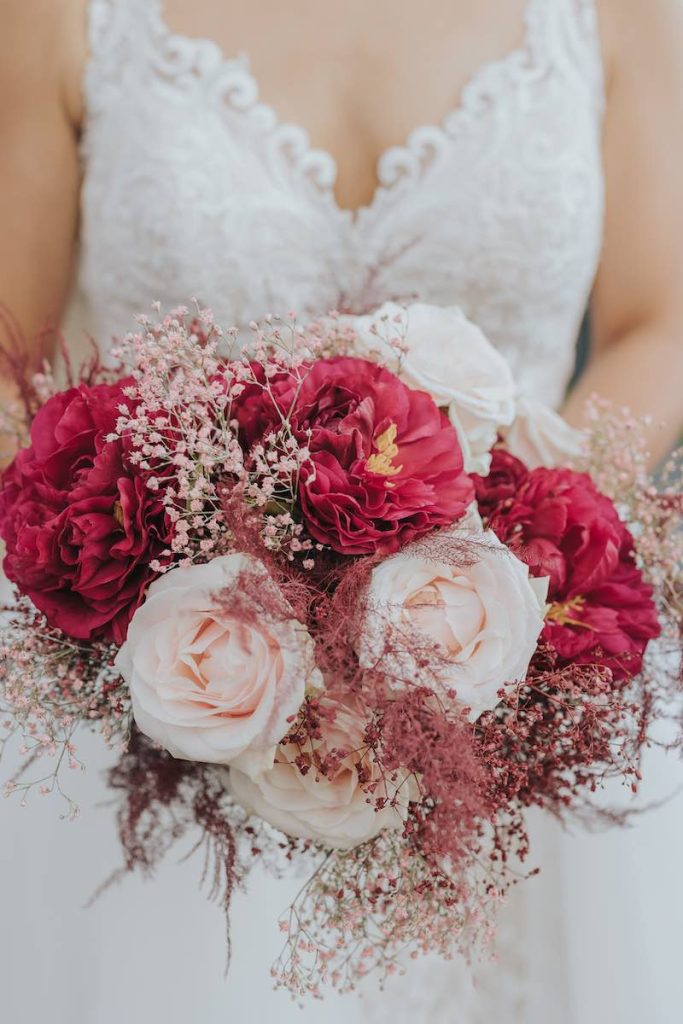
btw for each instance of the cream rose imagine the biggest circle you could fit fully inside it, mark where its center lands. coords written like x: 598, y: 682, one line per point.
x: 212, y: 684
x: 450, y: 358
x: 332, y: 809
x: 478, y: 623
x: 540, y: 437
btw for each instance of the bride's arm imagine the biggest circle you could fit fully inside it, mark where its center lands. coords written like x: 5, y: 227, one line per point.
x: 41, y: 56
x: 637, y: 308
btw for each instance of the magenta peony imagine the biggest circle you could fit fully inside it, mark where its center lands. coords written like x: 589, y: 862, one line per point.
x: 80, y: 524
x: 601, y: 609
x: 386, y: 465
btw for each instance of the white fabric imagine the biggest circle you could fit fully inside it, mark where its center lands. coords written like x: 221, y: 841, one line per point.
x: 193, y: 187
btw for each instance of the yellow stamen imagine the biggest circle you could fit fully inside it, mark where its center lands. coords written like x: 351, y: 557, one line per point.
x: 118, y: 513
x: 387, y: 450
x: 563, y: 613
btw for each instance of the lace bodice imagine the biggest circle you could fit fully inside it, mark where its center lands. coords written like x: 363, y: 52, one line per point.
x: 194, y: 188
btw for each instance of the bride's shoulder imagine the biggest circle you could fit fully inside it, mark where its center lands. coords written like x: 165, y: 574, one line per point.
x: 641, y: 34
x: 43, y: 50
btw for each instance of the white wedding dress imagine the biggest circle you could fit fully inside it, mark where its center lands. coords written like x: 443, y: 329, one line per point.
x: 194, y: 188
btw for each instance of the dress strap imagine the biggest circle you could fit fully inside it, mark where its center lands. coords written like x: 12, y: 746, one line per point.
x: 118, y: 35
x: 567, y: 34
x: 589, y: 27
x: 111, y: 22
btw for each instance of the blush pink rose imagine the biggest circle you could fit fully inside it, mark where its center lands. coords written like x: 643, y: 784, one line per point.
x: 337, y: 807
x: 475, y: 621
x: 215, y: 680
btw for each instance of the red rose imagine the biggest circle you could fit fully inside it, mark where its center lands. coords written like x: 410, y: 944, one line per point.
x: 386, y: 465
x: 556, y: 520
x: 79, y: 522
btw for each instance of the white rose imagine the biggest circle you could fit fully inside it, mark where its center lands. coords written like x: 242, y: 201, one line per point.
x: 540, y: 437
x: 450, y: 358
x: 472, y: 611
x: 333, y: 809
x: 213, y: 684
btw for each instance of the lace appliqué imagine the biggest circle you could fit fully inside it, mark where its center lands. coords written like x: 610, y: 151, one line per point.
x: 195, y: 187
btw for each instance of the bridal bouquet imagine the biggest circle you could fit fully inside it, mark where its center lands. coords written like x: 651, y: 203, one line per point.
x: 340, y: 597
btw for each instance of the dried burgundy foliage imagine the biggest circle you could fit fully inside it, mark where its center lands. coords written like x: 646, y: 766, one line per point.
x: 164, y: 802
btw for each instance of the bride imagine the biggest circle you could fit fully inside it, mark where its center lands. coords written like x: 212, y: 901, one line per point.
x: 521, y: 159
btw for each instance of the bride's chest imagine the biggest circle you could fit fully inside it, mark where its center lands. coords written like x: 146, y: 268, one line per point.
x: 359, y: 76
x: 195, y: 188
x: 188, y: 171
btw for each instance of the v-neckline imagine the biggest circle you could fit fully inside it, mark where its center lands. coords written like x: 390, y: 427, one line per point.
x: 474, y: 85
